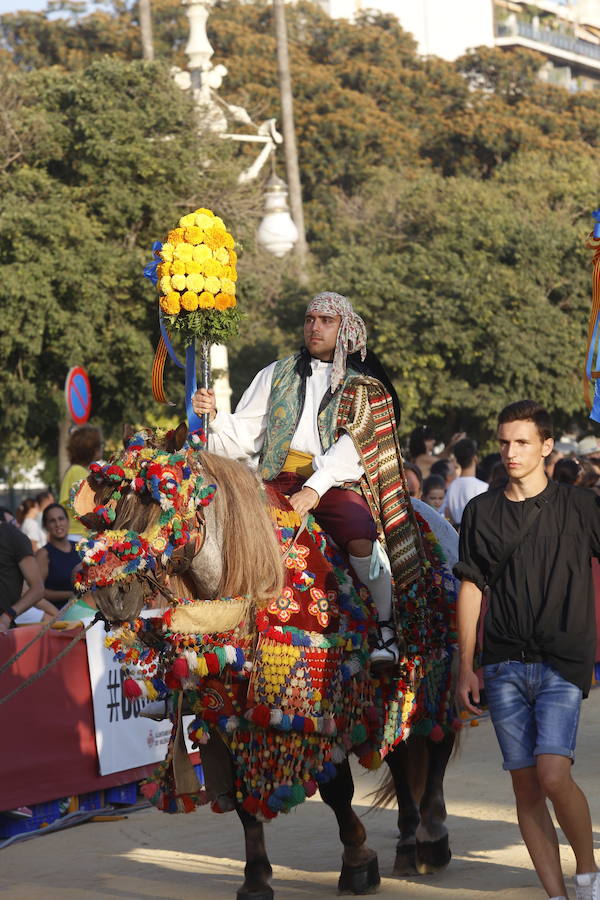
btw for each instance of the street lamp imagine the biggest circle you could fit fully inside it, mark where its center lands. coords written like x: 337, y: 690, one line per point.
x: 277, y: 232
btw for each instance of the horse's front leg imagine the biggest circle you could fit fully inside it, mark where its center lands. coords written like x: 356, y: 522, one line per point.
x: 258, y: 869
x: 360, y: 870
x: 433, y: 848
x: 219, y: 775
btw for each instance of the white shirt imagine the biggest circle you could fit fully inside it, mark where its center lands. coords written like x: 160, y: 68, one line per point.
x: 240, y: 435
x: 33, y: 531
x: 461, y: 490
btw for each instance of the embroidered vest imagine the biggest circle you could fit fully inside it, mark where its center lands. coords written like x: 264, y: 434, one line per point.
x: 286, y: 403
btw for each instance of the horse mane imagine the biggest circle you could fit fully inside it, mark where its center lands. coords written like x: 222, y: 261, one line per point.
x: 252, y: 563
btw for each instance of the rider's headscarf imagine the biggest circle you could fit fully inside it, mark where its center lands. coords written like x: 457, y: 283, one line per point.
x: 352, y: 334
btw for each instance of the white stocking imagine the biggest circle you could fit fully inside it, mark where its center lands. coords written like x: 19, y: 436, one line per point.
x: 380, y: 588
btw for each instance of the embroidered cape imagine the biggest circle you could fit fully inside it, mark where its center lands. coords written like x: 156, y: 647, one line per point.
x: 366, y: 413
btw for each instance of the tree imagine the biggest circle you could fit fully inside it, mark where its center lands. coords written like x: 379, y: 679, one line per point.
x: 448, y: 200
x: 96, y: 165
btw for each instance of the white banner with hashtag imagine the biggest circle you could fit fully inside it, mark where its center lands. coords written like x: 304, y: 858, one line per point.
x: 124, y: 739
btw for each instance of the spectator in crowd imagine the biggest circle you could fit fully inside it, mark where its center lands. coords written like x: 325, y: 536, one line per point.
x: 498, y: 477
x: 446, y: 469
x: 17, y: 565
x: 44, y: 499
x: 414, y: 479
x: 27, y: 520
x: 551, y: 460
x: 58, y: 558
x: 486, y: 466
x: 467, y: 485
x: 434, y: 491
x: 420, y: 448
x: 571, y: 470
x: 84, y: 446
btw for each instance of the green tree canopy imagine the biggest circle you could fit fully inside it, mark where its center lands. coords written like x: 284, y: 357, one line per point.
x: 449, y: 201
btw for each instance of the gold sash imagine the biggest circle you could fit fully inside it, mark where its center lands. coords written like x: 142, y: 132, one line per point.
x: 300, y: 463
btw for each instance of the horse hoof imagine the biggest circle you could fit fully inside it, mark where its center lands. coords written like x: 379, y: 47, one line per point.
x: 433, y: 855
x: 406, y: 860
x: 359, y: 879
x: 265, y: 893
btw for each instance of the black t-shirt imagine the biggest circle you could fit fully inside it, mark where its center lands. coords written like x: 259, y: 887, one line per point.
x: 14, y: 546
x: 543, y: 602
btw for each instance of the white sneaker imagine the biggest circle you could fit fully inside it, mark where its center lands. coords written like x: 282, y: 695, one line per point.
x: 386, y: 650
x: 587, y: 886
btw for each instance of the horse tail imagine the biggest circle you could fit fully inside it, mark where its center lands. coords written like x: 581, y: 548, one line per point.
x: 252, y: 564
x: 385, y: 793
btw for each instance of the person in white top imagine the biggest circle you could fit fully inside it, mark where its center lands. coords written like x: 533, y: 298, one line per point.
x: 26, y: 516
x: 467, y: 485
x: 286, y: 424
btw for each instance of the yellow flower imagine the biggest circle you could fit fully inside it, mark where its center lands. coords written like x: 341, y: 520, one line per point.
x: 232, y: 257
x: 175, y: 236
x: 215, y: 238
x: 177, y: 267
x: 212, y: 267
x: 183, y: 251
x: 212, y: 284
x: 224, y: 301
x: 204, y: 221
x: 227, y: 286
x: 202, y: 253
x: 186, y: 221
x: 194, y: 235
x: 189, y: 300
x: 206, y: 300
x: 178, y: 282
x: 203, y: 211
x: 163, y: 269
x: 219, y: 223
x: 194, y: 282
x: 166, y: 252
x: 164, y: 285
x: 230, y: 272
x: 192, y: 267
x: 222, y: 256
x: 170, y: 304
x: 229, y: 241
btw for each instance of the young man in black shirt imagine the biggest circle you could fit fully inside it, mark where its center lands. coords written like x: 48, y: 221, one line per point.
x: 531, y: 543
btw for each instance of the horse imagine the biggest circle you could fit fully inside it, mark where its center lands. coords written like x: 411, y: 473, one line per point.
x: 272, y: 661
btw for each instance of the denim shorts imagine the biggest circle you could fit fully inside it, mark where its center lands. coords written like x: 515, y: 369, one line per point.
x: 533, y: 709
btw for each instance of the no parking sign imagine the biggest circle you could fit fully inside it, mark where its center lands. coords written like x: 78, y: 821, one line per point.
x: 78, y: 395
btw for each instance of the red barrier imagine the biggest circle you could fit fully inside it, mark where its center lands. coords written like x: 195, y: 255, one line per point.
x: 47, y: 743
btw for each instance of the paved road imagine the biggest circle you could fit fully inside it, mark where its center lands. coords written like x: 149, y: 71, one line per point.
x: 199, y: 856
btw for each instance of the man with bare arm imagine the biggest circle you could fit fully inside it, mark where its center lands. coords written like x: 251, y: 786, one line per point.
x: 529, y: 545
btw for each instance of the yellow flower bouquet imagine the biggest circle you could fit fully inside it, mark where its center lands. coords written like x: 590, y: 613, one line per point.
x: 195, y: 271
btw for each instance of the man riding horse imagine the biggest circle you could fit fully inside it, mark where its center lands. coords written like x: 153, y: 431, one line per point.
x: 324, y: 431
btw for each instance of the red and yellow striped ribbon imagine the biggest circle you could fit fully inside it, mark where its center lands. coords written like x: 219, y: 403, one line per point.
x: 158, y: 373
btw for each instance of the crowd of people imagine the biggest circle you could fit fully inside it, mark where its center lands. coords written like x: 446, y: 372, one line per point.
x: 447, y: 476
x: 38, y: 555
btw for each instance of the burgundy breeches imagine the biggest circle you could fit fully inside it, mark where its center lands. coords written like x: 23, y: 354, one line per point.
x: 343, y: 514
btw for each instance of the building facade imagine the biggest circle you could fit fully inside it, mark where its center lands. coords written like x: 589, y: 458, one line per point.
x: 566, y: 32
